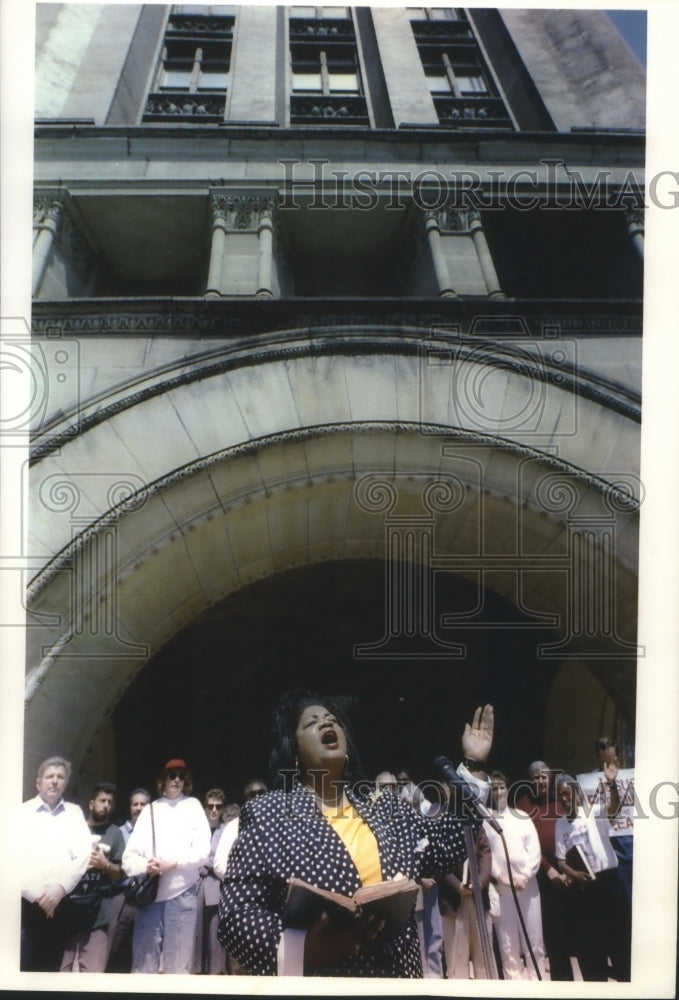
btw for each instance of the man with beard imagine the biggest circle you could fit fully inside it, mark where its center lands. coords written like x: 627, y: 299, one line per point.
x: 89, y: 909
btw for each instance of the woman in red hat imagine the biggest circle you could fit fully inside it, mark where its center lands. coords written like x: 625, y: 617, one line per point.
x: 164, y: 931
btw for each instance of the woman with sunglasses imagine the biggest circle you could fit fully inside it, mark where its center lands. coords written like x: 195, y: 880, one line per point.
x: 164, y: 931
x: 325, y: 826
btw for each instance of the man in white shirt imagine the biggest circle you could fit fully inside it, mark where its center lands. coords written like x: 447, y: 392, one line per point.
x: 56, y: 845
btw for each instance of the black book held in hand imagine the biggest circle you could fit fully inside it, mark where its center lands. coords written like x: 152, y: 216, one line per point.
x: 577, y: 860
x: 391, y: 901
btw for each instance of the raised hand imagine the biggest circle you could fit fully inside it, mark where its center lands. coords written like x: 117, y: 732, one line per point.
x: 477, y: 738
x: 611, y: 769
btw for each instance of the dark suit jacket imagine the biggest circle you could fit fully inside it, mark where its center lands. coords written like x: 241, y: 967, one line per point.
x: 449, y: 898
x: 283, y: 834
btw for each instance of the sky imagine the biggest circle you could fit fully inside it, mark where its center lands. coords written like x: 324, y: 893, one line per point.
x: 632, y: 26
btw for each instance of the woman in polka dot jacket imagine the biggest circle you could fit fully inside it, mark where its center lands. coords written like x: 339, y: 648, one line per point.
x: 327, y: 830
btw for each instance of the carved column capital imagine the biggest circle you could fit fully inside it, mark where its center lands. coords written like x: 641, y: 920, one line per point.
x: 48, y: 211
x: 634, y: 217
x: 448, y: 220
x: 243, y: 211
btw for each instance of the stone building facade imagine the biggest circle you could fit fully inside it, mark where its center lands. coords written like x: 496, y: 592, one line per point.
x: 339, y: 311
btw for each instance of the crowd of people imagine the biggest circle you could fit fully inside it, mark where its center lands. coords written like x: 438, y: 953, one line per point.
x: 518, y: 889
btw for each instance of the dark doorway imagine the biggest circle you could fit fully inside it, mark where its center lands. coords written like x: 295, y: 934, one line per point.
x: 208, y: 695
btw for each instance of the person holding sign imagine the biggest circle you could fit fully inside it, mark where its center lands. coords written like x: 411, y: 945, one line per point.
x: 622, y: 829
x: 331, y: 831
x: 600, y: 914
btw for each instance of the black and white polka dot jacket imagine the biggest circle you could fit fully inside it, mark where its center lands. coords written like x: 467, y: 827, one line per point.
x: 283, y: 834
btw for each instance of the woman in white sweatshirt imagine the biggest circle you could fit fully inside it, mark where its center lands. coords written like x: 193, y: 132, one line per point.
x: 164, y: 931
x: 523, y: 847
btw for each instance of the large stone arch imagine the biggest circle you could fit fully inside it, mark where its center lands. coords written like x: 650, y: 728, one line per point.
x: 161, y: 496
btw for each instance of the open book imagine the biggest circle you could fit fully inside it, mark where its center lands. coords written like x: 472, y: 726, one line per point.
x: 577, y: 860
x: 391, y: 901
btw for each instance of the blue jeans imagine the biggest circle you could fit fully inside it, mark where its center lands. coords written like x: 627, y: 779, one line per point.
x: 164, y: 934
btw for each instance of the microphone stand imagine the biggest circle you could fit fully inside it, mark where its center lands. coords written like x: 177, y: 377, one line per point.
x: 484, y: 936
x: 469, y: 798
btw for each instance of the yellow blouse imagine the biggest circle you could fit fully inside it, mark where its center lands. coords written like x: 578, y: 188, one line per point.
x: 359, y: 840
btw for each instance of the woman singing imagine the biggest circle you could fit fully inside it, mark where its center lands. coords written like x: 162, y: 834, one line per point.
x: 329, y: 831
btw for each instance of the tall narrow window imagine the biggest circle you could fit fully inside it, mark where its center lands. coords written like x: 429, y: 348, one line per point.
x: 326, y: 79
x: 193, y: 77
x: 461, y: 85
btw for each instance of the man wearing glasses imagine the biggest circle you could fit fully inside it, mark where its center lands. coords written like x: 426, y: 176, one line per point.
x: 209, y: 956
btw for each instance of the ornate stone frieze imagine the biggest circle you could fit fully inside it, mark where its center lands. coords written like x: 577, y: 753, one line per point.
x: 319, y: 29
x: 185, y: 25
x: 203, y: 107
x: 133, y: 322
x: 329, y: 109
x: 473, y: 112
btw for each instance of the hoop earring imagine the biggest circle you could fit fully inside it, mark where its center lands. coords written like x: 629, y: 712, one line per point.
x: 346, y: 761
x: 297, y: 763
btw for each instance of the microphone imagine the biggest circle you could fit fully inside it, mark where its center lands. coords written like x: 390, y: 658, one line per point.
x: 468, y: 795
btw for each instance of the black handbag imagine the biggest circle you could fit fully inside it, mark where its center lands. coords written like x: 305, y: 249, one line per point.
x: 80, y: 907
x: 141, y: 890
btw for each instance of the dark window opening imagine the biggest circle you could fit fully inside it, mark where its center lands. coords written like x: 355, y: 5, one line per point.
x: 562, y: 254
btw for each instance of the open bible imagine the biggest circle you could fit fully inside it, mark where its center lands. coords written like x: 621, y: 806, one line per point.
x: 391, y: 901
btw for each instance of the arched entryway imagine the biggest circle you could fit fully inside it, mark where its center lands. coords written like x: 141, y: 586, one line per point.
x: 173, y: 502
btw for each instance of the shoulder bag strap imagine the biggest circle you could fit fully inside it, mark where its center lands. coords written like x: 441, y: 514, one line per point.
x: 153, y: 830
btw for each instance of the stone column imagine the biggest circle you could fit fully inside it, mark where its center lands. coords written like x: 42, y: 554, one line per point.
x: 265, y: 263
x: 433, y: 231
x: 485, y: 259
x: 48, y: 214
x: 256, y: 55
x: 409, y: 96
x: 218, y: 240
x: 635, y: 227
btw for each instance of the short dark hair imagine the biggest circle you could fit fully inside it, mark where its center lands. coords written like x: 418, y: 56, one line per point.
x: 215, y: 793
x: 286, y: 717
x: 603, y: 743
x: 140, y: 791
x: 103, y: 786
x: 568, y: 779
